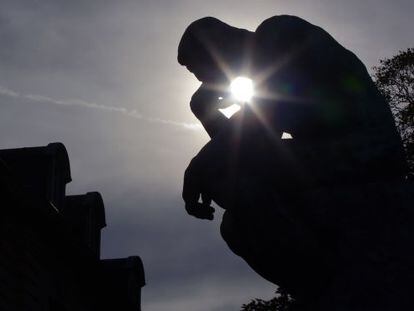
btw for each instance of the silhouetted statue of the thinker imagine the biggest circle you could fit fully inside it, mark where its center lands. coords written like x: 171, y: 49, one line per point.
x: 319, y: 214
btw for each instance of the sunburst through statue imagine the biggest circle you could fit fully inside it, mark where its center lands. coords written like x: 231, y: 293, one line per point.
x: 242, y: 89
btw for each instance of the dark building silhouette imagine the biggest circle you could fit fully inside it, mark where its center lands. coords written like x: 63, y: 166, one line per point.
x: 50, y: 242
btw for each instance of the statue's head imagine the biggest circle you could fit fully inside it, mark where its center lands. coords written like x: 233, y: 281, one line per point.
x: 210, y: 48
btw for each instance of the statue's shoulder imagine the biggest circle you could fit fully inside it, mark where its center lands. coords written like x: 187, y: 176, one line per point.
x: 292, y: 30
x: 286, y: 23
x: 283, y: 20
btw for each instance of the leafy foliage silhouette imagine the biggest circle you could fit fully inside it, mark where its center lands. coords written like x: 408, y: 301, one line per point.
x: 282, y: 302
x: 394, y: 78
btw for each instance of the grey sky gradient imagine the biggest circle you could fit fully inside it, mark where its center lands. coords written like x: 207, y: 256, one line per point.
x: 102, y: 77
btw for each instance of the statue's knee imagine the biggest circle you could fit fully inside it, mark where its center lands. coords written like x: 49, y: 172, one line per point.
x: 226, y: 227
x: 232, y: 234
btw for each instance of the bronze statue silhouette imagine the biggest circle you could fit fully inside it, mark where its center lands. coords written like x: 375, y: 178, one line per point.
x: 304, y: 213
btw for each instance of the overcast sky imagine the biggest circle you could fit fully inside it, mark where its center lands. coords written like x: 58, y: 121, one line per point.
x: 102, y: 77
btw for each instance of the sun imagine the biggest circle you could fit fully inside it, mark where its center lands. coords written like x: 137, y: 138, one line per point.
x: 242, y: 89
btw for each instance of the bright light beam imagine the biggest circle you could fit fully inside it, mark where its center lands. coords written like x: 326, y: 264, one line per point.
x: 242, y: 89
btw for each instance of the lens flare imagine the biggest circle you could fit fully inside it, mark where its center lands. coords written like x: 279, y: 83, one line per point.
x: 242, y: 89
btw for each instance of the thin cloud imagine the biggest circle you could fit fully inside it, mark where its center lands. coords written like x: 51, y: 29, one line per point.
x: 76, y: 102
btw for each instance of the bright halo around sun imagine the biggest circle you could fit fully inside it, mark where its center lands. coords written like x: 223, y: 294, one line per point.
x: 242, y: 89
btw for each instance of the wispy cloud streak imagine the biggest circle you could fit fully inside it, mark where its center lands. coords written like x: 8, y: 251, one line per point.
x: 76, y: 102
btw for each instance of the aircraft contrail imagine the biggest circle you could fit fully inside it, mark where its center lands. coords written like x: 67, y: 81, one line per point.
x: 76, y: 102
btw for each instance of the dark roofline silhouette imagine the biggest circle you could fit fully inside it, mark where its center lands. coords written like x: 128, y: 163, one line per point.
x: 56, y: 240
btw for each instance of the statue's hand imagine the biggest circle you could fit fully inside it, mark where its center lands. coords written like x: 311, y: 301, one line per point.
x: 191, y: 195
x: 200, y: 210
x: 206, y: 98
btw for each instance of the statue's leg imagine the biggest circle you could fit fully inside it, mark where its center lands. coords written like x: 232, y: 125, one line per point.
x: 278, y: 246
